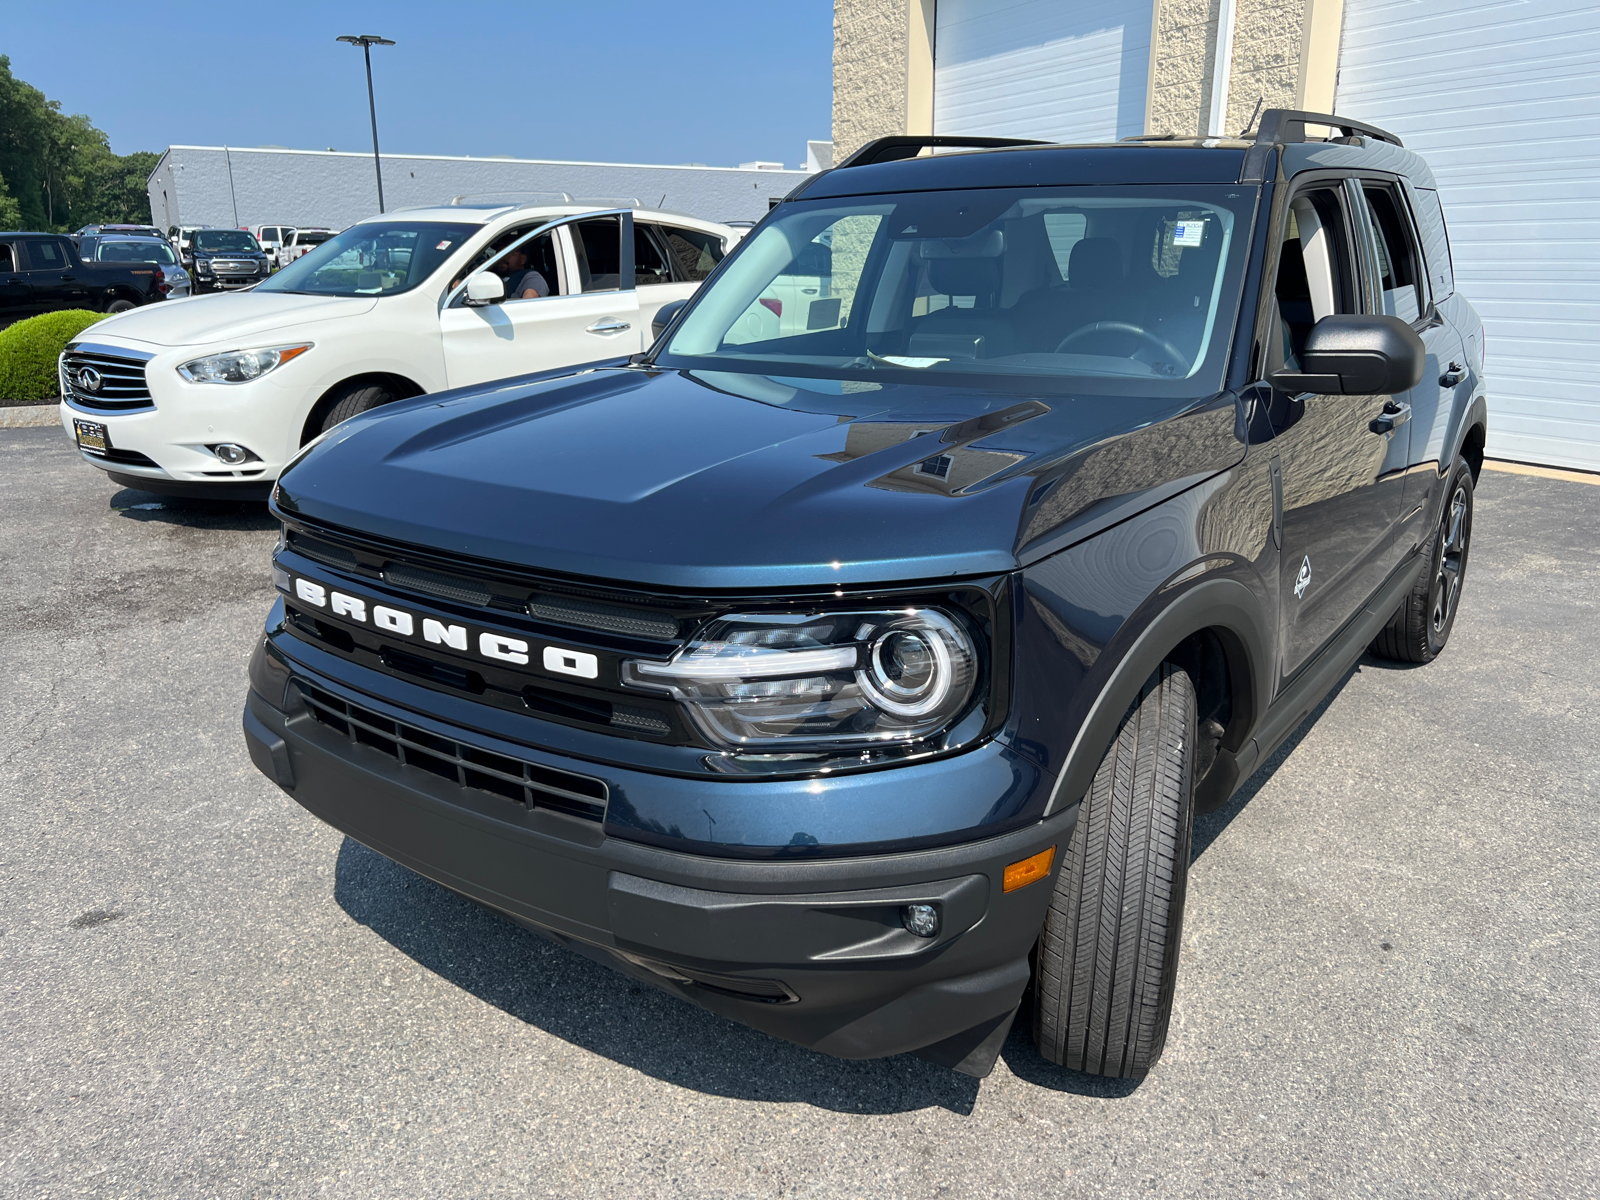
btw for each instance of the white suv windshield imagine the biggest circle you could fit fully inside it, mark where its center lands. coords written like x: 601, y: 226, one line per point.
x: 375, y: 258
x: 1137, y: 284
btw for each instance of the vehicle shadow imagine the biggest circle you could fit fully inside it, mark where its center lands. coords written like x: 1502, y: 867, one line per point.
x: 582, y: 1002
x: 243, y: 515
x: 1209, y: 826
x: 608, y: 1014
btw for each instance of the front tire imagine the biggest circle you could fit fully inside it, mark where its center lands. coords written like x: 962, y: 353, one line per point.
x: 351, y: 398
x: 1421, y: 625
x: 1108, y: 954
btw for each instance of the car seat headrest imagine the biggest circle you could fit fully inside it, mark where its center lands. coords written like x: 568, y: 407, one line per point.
x: 989, y: 243
x: 965, y: 276
x: 1094, y: 261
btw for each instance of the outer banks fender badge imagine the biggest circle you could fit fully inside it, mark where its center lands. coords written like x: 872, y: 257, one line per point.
x: 1303, y: 580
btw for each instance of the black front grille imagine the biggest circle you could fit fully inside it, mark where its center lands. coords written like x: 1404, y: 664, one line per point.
x: 122, y: 386
x: 459, y: 762
x: 475, y: 587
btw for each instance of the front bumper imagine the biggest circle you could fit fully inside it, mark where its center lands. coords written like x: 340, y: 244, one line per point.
x: 811, y: 950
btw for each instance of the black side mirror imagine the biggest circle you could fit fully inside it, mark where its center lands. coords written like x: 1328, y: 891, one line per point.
x: 664, y: 316
x: 1354, y: 355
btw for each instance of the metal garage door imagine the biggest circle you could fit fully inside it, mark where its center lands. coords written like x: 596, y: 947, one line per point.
x: 1503, y: 99
x: 1041, y: 68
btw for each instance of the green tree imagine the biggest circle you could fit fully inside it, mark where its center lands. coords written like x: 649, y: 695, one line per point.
x: 59, y: 171
x: 10, y: 210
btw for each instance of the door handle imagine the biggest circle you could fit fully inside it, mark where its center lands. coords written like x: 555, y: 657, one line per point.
x: 608, y: 325
x: 1453, y: 375
x: 1394, y: 413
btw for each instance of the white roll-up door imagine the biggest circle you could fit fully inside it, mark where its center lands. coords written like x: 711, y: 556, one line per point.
x: 1502, y: 97
x: 1072, y: 72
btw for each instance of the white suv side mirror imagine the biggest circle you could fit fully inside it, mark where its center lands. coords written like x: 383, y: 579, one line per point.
x: 484, y: 288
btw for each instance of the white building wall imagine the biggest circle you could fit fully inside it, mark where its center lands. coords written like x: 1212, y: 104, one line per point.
x: 211, y: 185
x: 1041, y: 68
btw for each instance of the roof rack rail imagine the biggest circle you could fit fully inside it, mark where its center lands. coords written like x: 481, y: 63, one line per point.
x: 892, y: 149
x: 1289, y: 125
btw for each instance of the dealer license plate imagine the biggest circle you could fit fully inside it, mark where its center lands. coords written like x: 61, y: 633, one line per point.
x: 92, y: 436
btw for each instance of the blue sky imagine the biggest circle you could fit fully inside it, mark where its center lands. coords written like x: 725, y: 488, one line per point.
x: 712, y: 81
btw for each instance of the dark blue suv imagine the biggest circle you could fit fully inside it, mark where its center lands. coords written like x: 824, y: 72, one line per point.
x: 854, y: 661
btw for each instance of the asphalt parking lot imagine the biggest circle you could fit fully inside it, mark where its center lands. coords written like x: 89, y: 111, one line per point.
x: 1390, y: 982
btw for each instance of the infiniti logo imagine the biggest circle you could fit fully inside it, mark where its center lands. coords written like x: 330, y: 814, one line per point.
x: 89, y: 379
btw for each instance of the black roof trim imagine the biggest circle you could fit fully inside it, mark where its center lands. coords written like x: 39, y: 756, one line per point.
x: 892, y: 149
x: 1287, y: 125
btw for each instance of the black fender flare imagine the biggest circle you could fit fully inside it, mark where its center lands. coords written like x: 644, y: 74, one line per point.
x: 1224, y: 604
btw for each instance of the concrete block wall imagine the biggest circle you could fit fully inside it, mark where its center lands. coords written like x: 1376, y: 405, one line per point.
x: 1267, y: 45
x: 871, y: 49
x: 1265, y: 64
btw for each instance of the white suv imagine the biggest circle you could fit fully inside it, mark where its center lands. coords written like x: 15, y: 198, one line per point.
x: 213, y: 396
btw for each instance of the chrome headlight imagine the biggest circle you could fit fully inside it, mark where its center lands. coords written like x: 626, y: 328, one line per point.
x: 824, y: 680
x: 239, y: 366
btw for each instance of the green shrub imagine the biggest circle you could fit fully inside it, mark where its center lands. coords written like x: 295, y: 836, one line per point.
x: 29, y: 349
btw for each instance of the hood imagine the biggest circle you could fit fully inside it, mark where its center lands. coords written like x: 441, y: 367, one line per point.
x: 229, y: 316
x: 725, y: 481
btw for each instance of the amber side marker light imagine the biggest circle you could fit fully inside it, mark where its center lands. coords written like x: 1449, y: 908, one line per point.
x: 1029, y: 870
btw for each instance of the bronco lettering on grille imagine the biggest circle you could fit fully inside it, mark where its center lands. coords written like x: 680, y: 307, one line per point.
x: 557, y: 660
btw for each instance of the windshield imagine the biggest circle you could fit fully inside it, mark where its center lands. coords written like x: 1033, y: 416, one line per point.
x: 155, y: 252
x: 1131, y: 284
x: 225, y: 239
x: 375, y: 258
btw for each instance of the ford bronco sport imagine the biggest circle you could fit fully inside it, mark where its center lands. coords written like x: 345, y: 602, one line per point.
x: 849, y: 675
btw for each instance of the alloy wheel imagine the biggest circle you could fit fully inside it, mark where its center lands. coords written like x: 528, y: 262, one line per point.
x: 1451, y: 559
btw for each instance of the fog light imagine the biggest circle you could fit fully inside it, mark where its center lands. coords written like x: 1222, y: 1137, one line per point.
x: 231, y: 454
x: 921, y: 919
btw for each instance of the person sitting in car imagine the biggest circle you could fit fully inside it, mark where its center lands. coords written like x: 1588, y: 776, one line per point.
x: 522, y: 282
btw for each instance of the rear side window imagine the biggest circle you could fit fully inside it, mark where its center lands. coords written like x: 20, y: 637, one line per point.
x: 1435, y: 242
x: 649, y: 263
x: 7, y: 263
x: 46, y: 256
x: 1399, y: 267
x: 695, y: 252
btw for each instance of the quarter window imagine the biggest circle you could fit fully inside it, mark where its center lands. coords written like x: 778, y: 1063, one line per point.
x: 1399, y: 281
x: 694, y: 252
x: 1435, y: 243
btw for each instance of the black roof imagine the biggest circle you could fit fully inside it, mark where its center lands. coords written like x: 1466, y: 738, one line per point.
x: 889, y: 164
x: 1033, y: 166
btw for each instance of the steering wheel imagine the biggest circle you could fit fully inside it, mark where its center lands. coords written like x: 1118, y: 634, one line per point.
x: 1159, y: 344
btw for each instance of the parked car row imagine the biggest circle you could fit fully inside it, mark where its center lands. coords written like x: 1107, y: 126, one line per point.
x: 215, y: 396
x: 44, y: 272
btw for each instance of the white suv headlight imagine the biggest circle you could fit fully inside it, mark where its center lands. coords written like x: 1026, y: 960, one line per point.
x: 239, y: 366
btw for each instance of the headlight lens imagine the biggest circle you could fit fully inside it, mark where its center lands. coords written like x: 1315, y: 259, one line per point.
x: 239, y: 366
x: 825, y: 680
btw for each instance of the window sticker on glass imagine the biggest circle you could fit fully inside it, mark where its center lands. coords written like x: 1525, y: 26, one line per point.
x: 442, y: 246
x: 1188, y: 233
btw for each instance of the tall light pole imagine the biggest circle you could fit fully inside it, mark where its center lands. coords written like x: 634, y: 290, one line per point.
x: 367, y: 41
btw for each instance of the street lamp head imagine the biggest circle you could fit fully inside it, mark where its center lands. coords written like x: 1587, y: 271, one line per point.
x: 365, y: 39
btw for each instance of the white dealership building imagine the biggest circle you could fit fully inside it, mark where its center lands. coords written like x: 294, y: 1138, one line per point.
x: 232, y: 186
